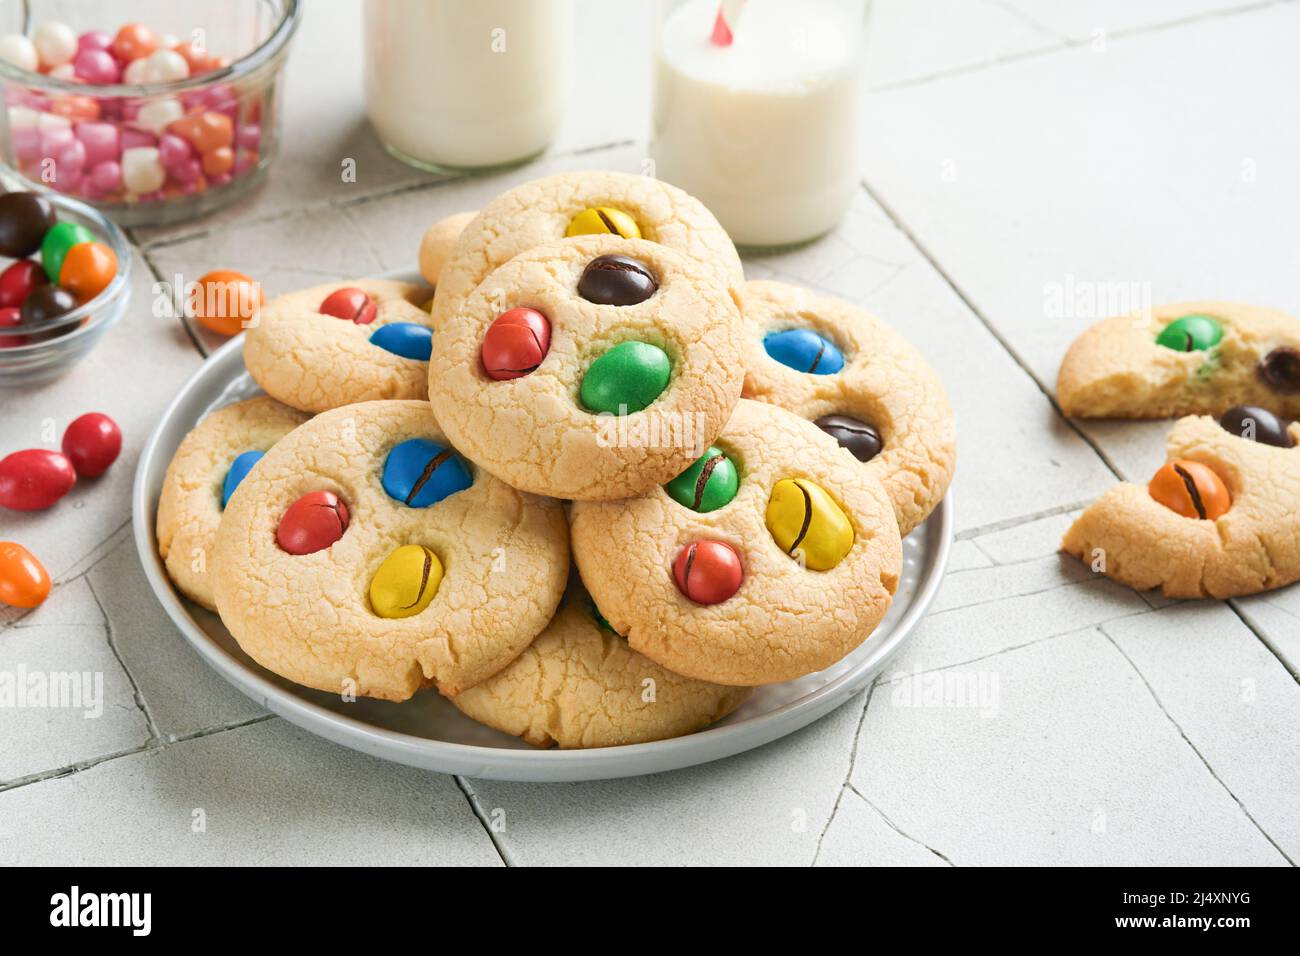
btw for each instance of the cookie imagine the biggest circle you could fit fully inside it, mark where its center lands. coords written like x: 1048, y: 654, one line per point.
x: 544, y: 210
x: 1190, y: 358
x: 580, y: 685
x: 363, y: 555
x: 207, y: 467
x: 775, y: 556
x: 860, y: 381
x: 341, y: 343
x: 437, y: 242
x: 1218, y: 520
x: 590, y: 369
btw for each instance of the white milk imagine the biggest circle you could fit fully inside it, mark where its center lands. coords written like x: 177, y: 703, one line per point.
x: 764, y: 132
x: 465, y: 83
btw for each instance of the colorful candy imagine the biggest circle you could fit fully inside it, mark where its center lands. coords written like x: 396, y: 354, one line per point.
x: 225, y: 301
x: 11, y: 318
x: 406, y: 582
x: 1257, y: 424
x: 1191, y: 333
x: 133, y: 41
x: 406, y: 339
x: 25, y: 218
x: 19, y: 51
x: 61, y: 237
x: 863, y: 441
x: 626, y: 379
x: 708, y: 484
x: 804, y: 351
x: 87, y: 269
x: 24, y: 582
x: 350, y: 303
x: 1280, y: 369
x: 605, y: 220
x: 55, y: 43
x: 515, y: 344
x: 18, y: 281
x: 617, y: 280
x: 92, y: 443
x: 1191, y: 489
x: 312, y: 523
x: 708, y: 572
x: 238, y: 471
x: 806, y: 521
x: 34, y: 479
x: 46, y: 303
x: 419, y: 472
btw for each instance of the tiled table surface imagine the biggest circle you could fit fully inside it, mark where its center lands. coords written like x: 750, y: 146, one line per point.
x: 1017, y: 148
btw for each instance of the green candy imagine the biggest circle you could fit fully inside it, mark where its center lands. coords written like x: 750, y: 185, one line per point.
x: 625, y: 379
x: 708, y: 484
x: 54, y: 247
x: 1191, y: 333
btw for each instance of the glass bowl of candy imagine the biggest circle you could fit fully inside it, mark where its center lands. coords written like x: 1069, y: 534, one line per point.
x: 153, y: 112
x: 65, y: 271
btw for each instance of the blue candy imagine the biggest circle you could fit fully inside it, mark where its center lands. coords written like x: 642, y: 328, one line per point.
x: 240, y: 467
x: 804, y: 351
x: 406, y: 339
x: 419, y: 473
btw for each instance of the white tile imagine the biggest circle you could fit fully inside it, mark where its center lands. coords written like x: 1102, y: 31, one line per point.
x: 1029, y: 541
x: 265, y: 794
x: 859, y: 836
x: 965, y: 556
x: 1081, y: 21
x: 1074, y: 763
x: 979, y: 586
x: 1277, y: 615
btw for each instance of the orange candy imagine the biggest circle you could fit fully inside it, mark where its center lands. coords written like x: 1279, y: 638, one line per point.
x: 76, y: 107
x: 205, y: 132
x: 24, y: 582
x: 87, y: 269
x: 1191, y: 489
x: 134, y: 41
x: 194, y: 55
x: 224, y: 299
x: 219, y: 161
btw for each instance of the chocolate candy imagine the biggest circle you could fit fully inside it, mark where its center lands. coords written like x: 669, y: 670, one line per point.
x: 61, y: 238
x: 804, y: 351
x: 34, y: 479
x: 1280, y: 369
x: 1257, y: 424
x: 617, y: 280
x: 24, y: 582
x: 596, y: 220
x: 237, y: 472
x: 351, y: 304
x: 87, y: 269
x: 406, y: 582
x: 862, y: 440
x: 312, y: 523
x: 18, y: 280
x: 25, y: 218
x: 625, y: 379
x: 419, y: 473
x: 805, y: 520
x: 1191, y: 333
x: 1191, y: 489
x: 708, y: 484
x: 406, y: 339
x: 515, y: 344
x: 92, y: 443
x: 45, y: 303
x: 708, y: 572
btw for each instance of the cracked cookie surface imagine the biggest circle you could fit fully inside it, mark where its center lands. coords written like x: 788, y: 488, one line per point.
x: 1253, y: 547
x: 580, y: 685
x: 533, y: 431
x: 785, y: 620
x: 315, y: 362
x: 504, y: 554
x: 884, y: 382
x: 189, y: 508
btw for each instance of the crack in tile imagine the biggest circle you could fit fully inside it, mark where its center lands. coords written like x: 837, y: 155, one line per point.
x: 895, y: 827
x: 848, y: 775
x: 480, y: 814
x: 136, y: 693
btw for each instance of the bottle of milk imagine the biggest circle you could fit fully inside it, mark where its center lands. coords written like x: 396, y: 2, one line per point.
x: 464, y: 84
x: 756, y: 111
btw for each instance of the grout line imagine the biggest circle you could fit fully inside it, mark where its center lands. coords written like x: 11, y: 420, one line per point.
x: 1263, y: 638
x: 195, y: 339
x: 75, y: 572
x: 477, y: 809
x: 73, y: 769
x: 1006, y: 524
x: 1159, y: 703
x: 893, y: 826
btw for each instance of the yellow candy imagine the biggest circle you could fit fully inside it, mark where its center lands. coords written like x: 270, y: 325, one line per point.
x: 603, y: 219
x: 406, y: 582
x: 805, y: 520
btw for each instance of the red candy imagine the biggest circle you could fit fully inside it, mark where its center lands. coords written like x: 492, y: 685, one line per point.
x: 34, y: 479
x: 92, y: 443
x: 312, y: 523
x: 707, y: 572
x: 515, y: 344
x: 351, y: 304
x: 18, y: 280
x: 11, y: 318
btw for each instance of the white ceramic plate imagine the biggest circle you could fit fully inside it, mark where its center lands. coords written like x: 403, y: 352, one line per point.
x: 427, y: 731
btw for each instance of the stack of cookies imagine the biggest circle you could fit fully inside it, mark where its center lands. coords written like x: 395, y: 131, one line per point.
x: 594, y: 493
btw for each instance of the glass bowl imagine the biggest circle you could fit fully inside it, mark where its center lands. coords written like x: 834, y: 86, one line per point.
x: 65, y: 341
x: 149, y: 151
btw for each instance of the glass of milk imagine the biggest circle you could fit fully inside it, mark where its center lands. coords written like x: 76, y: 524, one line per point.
x: 764, y: 130
x: 467, y: 84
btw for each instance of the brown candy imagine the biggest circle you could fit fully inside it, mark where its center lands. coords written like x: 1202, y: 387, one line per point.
x: 1280, y: 369
x: 1191, y: 489
x: 617, y: 280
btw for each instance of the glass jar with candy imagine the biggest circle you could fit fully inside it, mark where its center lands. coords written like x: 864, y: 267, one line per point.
x: 153, y: 112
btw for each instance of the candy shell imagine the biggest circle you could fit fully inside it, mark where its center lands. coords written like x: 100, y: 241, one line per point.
x: 142, y: 172
x: 92, y: 443
x: 62, y: 237
x: 87, y: 270
x: 34, y: 479
x: 55, y: 43
x: 19, y: 51
x: 133, y: 41
x: 165, y: 66
x: 97, y: 67
x: 224, y: 301
x: 24, y: 582
x: 18, y: 280
x: 406, y: 339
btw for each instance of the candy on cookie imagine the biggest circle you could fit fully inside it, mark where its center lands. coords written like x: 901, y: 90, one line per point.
x: 579, y: 684
x: 1187, y: 358
x: 341, y: 343
x: 364, y: 555
x: 582, y: 204
x: 780, y: 577
x: 211, y: 462
x: 860, y: 381
x: 1219, y: 519
x: 589, y: 388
